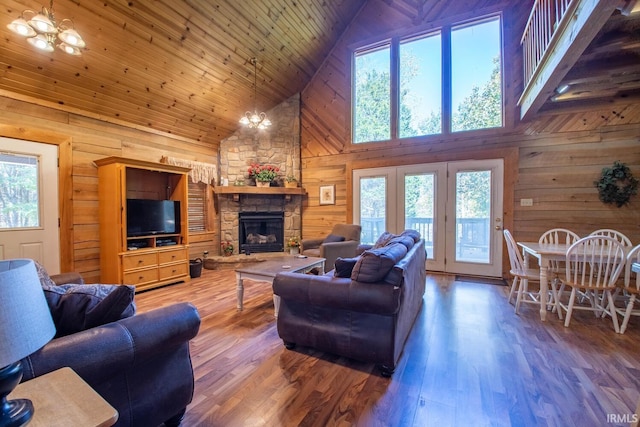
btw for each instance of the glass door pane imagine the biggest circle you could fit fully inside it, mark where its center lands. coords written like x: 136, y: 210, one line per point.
x: 419, y: 198
x: 373, y: 208
x: 19, y: 191
x: 473, y: 214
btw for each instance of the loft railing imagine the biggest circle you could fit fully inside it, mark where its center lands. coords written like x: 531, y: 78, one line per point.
x: 546, y: 16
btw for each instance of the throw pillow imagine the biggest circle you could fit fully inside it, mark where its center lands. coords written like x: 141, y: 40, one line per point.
x: 415, y: 235
x: 332, y: 238
x: 344, y: 266
x: 374, y: 264
x: 407, y: 241
x: 75, y: 308
x: 45, y: 279
x: 383, y: 240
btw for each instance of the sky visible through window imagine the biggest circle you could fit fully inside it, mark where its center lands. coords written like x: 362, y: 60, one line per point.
x: 474, y: 48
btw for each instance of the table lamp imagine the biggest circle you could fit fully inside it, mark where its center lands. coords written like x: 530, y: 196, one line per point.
x: 25, y: 326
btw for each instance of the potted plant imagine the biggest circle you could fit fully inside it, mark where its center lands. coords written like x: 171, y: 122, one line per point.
x: 294, y: 245
x: 290, y: 181
x: 263, y: 174
x: 227, y: 248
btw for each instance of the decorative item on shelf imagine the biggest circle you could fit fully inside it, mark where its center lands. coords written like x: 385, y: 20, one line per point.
x: 239, y: 182
x: 41, y: 30
x: 616, y: 184
x: 263, y: 174
x: 290, y: 182
x: 255, y: 119
x: 25, y: 326
x: 294, y: 245
x: 227, y: 248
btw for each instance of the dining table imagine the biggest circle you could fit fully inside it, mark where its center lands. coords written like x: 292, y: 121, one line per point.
x: 544, y: 252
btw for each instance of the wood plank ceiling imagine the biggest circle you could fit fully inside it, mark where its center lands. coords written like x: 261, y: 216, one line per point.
x: 180, y: 67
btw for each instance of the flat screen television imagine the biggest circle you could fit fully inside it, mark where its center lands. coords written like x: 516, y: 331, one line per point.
x: 151, y: 217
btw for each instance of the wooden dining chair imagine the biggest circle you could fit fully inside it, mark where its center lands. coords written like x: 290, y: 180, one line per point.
x: 615, y: 234
x: 593, y: 264
x: 631, y: 289
x: 556, y: 268
x: 521, y: 275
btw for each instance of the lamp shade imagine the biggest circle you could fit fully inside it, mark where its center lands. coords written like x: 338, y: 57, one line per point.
x: 25, y: 320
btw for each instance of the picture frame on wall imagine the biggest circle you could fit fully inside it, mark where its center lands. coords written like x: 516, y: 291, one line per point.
x: 327, y: 194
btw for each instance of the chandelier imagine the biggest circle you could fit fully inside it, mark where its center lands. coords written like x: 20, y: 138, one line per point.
x: 255, y: 120
x: 41, y: 31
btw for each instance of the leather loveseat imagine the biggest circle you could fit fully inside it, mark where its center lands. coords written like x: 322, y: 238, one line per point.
x: 367, y: 314
x: 141, y: 364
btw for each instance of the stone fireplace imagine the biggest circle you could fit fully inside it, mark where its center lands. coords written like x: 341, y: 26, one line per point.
x: 279, y: 146
x: 261, y: 232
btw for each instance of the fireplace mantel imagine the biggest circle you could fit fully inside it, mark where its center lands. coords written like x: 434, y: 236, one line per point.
x: 236, y: 190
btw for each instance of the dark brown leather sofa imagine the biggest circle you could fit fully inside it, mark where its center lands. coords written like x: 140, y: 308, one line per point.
x: 141, y: 365
x: 366, y: 316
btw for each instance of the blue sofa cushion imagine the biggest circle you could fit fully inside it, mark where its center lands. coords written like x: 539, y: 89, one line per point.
x: 374, y: 264
x: 407, y: 241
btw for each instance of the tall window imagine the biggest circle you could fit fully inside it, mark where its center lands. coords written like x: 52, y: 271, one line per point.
x: 476, y: 80
x: 372, y: 94
x: 420, y: 86
x: 444, y: 81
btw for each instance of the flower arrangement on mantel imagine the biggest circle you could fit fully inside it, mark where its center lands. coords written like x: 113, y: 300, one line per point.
x: 263, y: 173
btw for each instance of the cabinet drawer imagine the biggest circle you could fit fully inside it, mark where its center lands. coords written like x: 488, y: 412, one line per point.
x: 173, y: 270
x: 172, y: 256
x: 139, y: 277
x: 139, y: 261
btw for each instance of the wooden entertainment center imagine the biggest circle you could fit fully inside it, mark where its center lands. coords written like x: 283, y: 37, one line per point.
x: 145, y: 261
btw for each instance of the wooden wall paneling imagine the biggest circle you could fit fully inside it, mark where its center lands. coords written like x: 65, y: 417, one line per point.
x: 88, y: 140
x: 553, y: 159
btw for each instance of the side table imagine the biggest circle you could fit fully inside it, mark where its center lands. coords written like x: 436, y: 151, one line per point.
x: 62, y: 399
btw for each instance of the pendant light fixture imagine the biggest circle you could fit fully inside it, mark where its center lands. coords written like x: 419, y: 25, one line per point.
x: 41, y: 31
x: 255, y: 120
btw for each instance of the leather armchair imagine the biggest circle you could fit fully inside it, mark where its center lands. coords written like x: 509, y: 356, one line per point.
x: 141, y: 365
x: 347, y: 248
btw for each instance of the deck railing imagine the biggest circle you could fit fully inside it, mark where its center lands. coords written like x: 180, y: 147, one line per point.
x: 471, y: 232
x: 544, y: 19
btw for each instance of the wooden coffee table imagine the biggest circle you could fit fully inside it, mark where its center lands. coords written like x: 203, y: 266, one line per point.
x: 266, y: 271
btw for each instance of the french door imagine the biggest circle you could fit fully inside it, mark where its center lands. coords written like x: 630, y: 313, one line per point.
x: 456, y: 207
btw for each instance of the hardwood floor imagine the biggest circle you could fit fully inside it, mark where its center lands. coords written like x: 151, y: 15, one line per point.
x: 468, y: 361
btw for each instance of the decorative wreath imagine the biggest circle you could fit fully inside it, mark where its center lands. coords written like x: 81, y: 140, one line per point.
x: 617, y: 184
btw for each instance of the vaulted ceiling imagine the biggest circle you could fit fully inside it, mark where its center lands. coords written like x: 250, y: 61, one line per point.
x: 180, y: 67
x: 184, y: 67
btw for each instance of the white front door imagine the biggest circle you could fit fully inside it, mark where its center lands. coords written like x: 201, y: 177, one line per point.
x: 455, y: 206
x: 29, y: 202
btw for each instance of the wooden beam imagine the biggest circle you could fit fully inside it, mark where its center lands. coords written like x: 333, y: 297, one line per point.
x: 574, y: 34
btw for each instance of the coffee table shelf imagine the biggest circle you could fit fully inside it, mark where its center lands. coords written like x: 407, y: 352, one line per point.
x: 266, y: 271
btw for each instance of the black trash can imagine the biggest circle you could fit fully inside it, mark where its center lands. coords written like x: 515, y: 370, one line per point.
x: 195, y: 268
